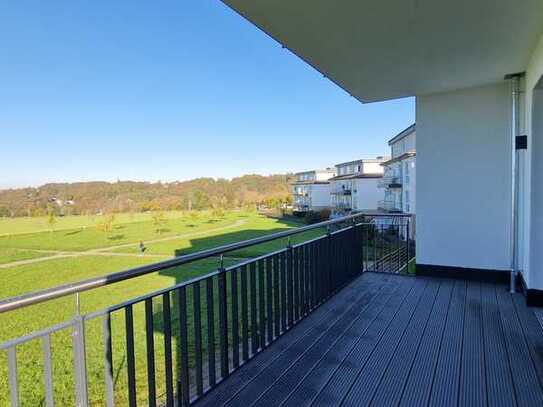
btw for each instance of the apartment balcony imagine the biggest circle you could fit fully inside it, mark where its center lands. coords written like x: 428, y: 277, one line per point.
x: 389, y: 206
x: 342, y: 192
x: 390, y: 182
x: 336, y: 320
x: 301, y: 208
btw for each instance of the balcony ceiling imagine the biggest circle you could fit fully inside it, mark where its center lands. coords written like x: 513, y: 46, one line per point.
x: 378, y: 50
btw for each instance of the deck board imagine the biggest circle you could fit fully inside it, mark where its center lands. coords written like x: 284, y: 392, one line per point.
x: 368, y: 378
x: 417, y: 390
x: 399, y: 340
x: 472, y: 381
x: 500, y: 387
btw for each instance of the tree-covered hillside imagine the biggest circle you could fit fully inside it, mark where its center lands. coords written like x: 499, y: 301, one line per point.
x: 129, y: 196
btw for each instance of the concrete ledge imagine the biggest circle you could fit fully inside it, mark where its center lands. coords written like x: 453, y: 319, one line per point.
x: 462, y: 273
x: 534, y: 298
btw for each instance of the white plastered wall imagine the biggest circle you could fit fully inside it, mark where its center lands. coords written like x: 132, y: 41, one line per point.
x: 532, y: 259
x: 463, y: 178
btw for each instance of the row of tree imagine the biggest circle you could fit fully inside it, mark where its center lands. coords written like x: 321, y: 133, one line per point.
x: 84, y: 198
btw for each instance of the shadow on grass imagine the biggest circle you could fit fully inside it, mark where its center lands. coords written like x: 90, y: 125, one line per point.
x: 116, y: 237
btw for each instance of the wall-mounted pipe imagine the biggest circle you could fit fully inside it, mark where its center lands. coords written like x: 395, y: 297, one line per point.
x: 515, y: 132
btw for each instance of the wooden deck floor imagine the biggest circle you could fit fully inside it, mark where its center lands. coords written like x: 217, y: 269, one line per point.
x: 388, y: 340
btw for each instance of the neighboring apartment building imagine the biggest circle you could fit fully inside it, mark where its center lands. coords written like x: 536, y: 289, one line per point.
x: 355, y: 187
x: 399, y: 180
x: 311, y: 190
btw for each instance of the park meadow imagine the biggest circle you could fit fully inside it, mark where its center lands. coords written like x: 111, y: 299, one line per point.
x: 43, y: 252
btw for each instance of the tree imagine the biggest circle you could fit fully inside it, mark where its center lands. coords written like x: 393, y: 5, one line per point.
x: 106, y: 225
x: 194, y: 215
x: 51, y: 219
x: 159, y: 219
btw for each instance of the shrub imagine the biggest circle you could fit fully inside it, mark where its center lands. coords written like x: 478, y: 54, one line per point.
x: 312, y: 217
x: 325, y: 214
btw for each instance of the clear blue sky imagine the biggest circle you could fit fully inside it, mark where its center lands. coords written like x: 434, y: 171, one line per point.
x: 156, y: 90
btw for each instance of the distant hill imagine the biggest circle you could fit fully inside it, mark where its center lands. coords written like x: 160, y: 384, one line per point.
x: 128, y: 196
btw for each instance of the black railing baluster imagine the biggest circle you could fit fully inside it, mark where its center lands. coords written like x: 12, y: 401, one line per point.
x: 276, y: 307
x: 398, y: 248
x: 210, y: 303
x: 317, y: 265
x: 375, y: 236
x: 269, y: 302
x: 302, y: 279
x: 296, y: 277
x: 322, y: 267
x: 197, y: 310
x: 290, y: 286
x: 261, y: 305
x: 254, y: 324
x: 223, y: 324
x: 183, y: 346
x: 407, y: 240
x: 235, y: 317
x: 149, y: 328
x: 167, y: 322
x: 283, y: 276
x: 130, y: 358
x: 244, y: 315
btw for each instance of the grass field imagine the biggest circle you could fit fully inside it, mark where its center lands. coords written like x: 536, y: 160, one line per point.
x: 9, y: 226
x: 33, y: 259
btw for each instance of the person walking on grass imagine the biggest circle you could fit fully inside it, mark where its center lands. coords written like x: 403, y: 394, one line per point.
x: 142, y: 248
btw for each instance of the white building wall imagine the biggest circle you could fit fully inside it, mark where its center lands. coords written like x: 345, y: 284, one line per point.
x: 372, y: 168
x: 531, y: 203
x: 320, y: 196
x: 463, y: 178
x: 409, y: 185
x: 368, y: 194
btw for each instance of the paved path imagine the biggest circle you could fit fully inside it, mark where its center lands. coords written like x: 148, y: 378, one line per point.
x: 107, y: 251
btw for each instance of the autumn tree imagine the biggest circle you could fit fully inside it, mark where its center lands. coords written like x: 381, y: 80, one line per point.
x: 159, y: 220
x: 51, y: 219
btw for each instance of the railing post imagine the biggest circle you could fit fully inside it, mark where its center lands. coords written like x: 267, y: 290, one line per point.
x: 223, y: 319
x: 328, y: 261
x: 80, y: 365
x: 290, y: 284
x: 407, y: 238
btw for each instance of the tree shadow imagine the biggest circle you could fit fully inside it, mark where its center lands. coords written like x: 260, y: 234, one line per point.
x: 73, y: 232
x: 116, y: 237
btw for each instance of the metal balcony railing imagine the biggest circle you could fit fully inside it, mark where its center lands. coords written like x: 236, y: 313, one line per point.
x: 389, y: 206
x: 208, y: 326
x: 390, y: 182
x: 342, y: 192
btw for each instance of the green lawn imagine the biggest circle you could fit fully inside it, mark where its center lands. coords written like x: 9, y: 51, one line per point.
x: 197, y: 234
x: 82, y: 238
x: 8, y: 255
x: 40, y: 224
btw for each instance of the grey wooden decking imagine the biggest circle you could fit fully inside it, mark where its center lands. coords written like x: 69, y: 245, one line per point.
x: 388, y: 340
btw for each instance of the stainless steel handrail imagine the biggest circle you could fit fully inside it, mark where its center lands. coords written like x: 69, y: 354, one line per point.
x: 37, y: 297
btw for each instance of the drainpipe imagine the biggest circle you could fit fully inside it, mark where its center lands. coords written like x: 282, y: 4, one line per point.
x: 515, y: 132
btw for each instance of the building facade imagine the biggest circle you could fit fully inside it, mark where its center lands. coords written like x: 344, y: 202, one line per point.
x: 311, y: 190
x: 356, y: 186
x: 399, y: 179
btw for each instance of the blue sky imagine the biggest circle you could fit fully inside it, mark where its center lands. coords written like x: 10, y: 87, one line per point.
x: 167, y: 90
